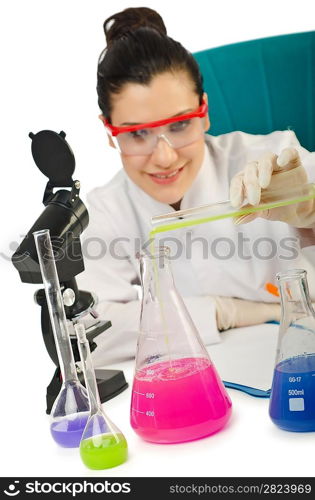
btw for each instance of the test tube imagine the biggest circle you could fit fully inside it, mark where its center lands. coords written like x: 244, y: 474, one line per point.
x: 223, y: 210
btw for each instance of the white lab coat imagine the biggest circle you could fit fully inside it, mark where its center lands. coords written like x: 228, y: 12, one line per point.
x: 120, y: 215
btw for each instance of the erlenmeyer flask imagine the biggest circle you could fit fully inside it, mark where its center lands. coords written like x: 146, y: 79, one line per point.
x: 292, y: 401
x: 102, y: 445
x: 177, y: 394
x: 70, y: 411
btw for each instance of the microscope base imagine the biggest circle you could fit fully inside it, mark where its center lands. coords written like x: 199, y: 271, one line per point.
x: 110, y: 383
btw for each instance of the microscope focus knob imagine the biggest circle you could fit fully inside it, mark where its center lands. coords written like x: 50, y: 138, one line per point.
x: 40, y: 297
x: 68, y: 297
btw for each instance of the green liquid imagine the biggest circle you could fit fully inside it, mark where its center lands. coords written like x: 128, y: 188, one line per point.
x: 104, y: 451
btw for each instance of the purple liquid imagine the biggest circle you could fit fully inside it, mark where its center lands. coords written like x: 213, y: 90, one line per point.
x: 67, y: 431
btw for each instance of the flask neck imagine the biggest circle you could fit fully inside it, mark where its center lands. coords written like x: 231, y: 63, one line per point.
x: 88, y: 370
x: 295, y: 299
x: 166, y: 332
x: 156, y: 276
x: 66, y: 359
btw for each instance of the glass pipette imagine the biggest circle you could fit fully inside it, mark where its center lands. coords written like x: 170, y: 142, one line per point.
x: 70, y: 411
x: 223, y: 210
x: 102, y: 445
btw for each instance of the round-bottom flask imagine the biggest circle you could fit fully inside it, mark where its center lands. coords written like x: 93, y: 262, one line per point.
x: 70, y: 411
x: 69, y: 414
x: 102, y: 444
x: 177, y: 394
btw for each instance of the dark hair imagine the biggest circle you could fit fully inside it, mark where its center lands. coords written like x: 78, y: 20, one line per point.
x: 138, y: 49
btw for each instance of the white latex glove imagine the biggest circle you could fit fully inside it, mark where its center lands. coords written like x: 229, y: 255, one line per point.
x: 233, y: 313
x: 271, y: 172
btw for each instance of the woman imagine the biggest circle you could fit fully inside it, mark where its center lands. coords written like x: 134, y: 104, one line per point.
x: 154, y: 111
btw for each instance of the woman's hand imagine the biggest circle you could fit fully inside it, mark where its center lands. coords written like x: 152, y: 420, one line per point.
x: 235, y: 313
x: 260, y: 178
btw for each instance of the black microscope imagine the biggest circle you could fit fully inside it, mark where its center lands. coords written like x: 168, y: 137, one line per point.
x: 66, y: 216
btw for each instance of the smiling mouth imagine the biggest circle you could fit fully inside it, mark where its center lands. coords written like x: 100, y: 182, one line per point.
x: 167, y: 176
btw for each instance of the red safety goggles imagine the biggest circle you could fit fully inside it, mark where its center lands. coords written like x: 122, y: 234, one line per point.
x: 199, y: 113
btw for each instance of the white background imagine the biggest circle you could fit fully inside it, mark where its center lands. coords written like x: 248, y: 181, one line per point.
x: 49, y: 51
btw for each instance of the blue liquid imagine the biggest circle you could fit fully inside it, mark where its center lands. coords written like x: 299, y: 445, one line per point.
x: 67, y: 431
x: 292, y: 400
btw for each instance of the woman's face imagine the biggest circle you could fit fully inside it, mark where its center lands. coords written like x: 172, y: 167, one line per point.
x: 167, y: 173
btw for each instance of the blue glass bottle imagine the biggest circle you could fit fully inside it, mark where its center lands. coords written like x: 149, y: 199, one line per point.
x: 292, y: 399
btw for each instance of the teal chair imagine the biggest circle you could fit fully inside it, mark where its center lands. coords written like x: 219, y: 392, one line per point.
x: 262, y: 85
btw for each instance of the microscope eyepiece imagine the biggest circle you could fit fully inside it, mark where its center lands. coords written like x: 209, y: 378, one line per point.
x: 65, y: 215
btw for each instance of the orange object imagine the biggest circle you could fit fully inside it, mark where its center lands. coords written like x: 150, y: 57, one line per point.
x: 272, y: 289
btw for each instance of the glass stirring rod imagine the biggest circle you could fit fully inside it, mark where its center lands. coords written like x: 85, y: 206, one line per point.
x: 102, y: 445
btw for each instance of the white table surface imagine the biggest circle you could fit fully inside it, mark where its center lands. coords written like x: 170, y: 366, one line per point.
x: 250, y: 445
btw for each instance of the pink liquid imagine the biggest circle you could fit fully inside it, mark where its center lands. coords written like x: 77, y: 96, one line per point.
x: 178, y: 401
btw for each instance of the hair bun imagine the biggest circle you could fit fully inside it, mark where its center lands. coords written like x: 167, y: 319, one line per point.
x: 128, y: 20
